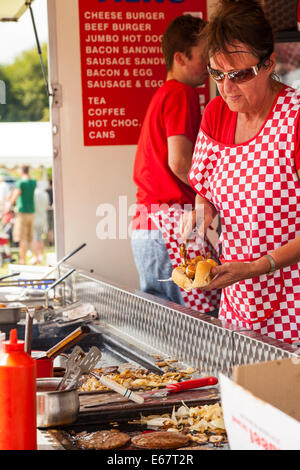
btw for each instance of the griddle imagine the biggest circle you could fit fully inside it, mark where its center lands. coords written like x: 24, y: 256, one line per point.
x: 109, y: 406
x: 106, y: 406
x: 115, y: 352
x: 113, y: 411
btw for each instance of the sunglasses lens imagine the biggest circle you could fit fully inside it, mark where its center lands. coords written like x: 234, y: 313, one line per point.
x: 241, y: 76
x: 217, y: 75
x: 238, y: 76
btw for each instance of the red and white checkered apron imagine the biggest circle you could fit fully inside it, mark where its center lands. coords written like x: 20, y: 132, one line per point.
x: 256, y: 190
x: 168, y: 222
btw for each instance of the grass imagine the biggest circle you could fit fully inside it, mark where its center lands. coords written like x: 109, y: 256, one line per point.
x: 4, y: 267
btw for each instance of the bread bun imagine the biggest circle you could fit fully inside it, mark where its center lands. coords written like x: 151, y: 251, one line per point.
x: 181, y: 279
x: 202, y: 275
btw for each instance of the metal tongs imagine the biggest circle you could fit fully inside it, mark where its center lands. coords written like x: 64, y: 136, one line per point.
x: 83, y: 364
x: 79, y: 364
x: 183, y: 253
x: 183, y: 256
x: 72, y: 368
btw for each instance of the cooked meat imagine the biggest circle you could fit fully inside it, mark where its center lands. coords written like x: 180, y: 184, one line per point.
x: 139, y: 379
x: 216, y: 439
x: 160, y: 440
x: 103, y: 440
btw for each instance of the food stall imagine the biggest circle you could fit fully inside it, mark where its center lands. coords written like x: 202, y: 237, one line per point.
x: 135, y: 332
x: 143, y: 343
x: 131, y: 328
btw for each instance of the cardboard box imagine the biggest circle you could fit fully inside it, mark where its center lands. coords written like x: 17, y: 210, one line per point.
x: 261, y: 405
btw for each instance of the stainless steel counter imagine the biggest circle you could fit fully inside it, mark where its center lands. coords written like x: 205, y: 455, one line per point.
x: 148, y: 326
x: 162, y: 327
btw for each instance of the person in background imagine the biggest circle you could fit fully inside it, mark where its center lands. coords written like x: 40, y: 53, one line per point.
x: 22, y: 196
x: 50, y: 215
x: 41, y: 204
x: 4, y: 193
x: 248, y: 171
x: 164, y: 155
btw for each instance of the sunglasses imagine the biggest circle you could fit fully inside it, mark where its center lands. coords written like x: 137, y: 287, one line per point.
x: 236, y: 76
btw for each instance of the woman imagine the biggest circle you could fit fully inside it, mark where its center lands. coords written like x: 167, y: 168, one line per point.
x: 246, y: 167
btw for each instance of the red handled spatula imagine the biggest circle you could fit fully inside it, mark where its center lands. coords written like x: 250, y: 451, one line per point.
x: 180, y: 386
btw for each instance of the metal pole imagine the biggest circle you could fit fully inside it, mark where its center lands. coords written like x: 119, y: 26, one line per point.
x: 39, y: 50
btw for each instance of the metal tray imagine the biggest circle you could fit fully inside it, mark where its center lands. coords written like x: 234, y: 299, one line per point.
x: 11, y: 314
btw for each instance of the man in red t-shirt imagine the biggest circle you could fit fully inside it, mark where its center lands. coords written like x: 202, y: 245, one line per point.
x: 165, y: 149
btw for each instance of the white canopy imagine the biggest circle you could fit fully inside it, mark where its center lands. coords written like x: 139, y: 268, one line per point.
x: 26, y: 143
x: 12, y: 10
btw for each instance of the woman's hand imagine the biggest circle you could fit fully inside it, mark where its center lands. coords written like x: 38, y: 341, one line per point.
x: 197, y: 220
x: 230, y: 273
x: 191, y: 224
x: 188, y: 223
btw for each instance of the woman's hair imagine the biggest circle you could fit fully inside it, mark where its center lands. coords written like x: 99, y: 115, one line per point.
x: 239, y: 21
x: 181, y: 35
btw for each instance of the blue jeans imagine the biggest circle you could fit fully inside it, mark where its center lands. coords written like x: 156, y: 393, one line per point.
x: 153, y: 262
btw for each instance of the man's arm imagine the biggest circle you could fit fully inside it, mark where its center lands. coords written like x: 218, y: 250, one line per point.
x: 16, y: 192
x: 180, y: 154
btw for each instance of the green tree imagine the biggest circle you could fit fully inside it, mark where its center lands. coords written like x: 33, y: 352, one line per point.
x: 26, y: 95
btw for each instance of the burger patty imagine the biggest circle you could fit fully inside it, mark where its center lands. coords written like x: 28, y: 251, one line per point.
x: 103, y: 440
x: 160, y: 440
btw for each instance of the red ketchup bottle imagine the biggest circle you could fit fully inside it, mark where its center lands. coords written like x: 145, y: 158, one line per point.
x: 18, y: 430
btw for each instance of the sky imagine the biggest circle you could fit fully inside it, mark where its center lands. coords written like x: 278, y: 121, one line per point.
x: 16, y: 37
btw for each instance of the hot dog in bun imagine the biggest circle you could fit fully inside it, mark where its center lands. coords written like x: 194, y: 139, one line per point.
x: 194, y: 273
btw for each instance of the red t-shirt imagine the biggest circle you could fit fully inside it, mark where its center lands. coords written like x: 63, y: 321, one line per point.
x: 173, y: 110
x: 219, y: 122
